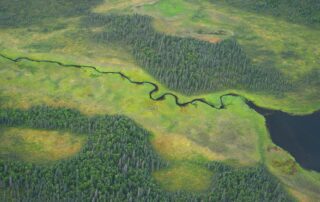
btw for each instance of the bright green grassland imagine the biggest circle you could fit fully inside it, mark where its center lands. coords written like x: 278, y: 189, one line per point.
x: 237, y: 135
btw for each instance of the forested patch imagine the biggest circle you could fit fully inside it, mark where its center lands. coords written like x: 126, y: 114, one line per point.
x: 15, y: 13
x: 188, y: 65
x: 115, y: 165
x: 297, y: 11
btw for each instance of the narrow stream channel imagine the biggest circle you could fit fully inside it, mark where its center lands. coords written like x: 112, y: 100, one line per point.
x: 299, y: 135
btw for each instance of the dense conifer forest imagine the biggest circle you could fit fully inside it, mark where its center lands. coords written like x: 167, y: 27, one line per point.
x: 19, y: 13
x: 115, y: 165
x: 185, y: 64
x: 297, y: 11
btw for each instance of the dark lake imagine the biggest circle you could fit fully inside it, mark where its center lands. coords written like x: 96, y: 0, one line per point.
x: 299, y: 135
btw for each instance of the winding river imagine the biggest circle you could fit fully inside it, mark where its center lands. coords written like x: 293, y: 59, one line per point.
x: 299, y: 135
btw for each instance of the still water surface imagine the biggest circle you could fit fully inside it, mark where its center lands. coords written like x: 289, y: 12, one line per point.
x: 299, y: 135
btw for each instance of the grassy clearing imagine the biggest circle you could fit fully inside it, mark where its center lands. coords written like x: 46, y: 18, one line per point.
x: 178, y: 147
x: 169, y: 8
x: 38, y: 146
x: 184, y: 177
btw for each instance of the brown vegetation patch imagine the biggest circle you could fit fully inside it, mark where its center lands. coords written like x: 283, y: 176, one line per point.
x: 288, y: 166
x: 209, y: 38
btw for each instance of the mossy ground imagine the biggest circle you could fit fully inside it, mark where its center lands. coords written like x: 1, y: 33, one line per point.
x: 237, y: 134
